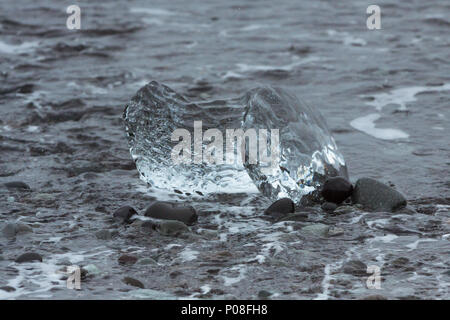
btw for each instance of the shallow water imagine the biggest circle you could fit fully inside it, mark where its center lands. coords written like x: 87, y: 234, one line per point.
x: 383, y: 93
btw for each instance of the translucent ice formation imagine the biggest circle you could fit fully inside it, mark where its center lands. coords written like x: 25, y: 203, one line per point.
x: 267, y: 138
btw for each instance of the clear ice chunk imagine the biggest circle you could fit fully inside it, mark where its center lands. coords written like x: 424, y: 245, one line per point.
x: 307, y: 153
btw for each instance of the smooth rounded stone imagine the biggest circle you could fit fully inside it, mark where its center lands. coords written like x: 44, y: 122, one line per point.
x: 172, y: 228
x: 318, y: 229
x: 8, y: 289
x: 127, y: 259
x: 335, y: 231
x: 282, y: 206
x: 169, y: 211
x: 29, y: 257
x: 133, y: 282
x: 329, y: 206
x: 264, y: 294
x: 105, y: 234
x: 124, y: 214
x: 355, y: 267
x: 12, y: 229
x: 336, y: 189
x: 376, y: 196
x: 17, y: 185
x: 147, y: 261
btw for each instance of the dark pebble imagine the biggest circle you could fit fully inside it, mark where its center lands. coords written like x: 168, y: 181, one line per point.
x: 169, y: 211
x: 124, y: 214
x: 264, y: 294
x: 281, y: 206
x: 133, y: 282
x: 19, y: 185
x: 336, y: 189
x: 29, y: 257
x: 355, y: 267
x: 7, y: 289
x: 127, y: 259
x: 329, y: 206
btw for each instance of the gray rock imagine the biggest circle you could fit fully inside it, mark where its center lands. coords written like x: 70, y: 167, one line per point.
x: 12, y: 229
x: 172, y: 228
x: 127, y: 259
x: 29, y: 257
x: 133, y: 282
x: 336, y: 189
x: 7, y: 289
x: 376, y: 196
x: 280, y: 207
x: 264, y: 294
x: 329, y: 206
x: 9, y: 230
x: 17, y: 185
x: 318, y: 229
x: 170, y: 211
x: 124, y: 214
x: 355, y: 267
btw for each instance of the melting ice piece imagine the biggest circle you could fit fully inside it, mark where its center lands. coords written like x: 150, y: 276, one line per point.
x: 306, y: 152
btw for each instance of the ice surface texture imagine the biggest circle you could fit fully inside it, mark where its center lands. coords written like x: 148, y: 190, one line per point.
x: 307, y: 152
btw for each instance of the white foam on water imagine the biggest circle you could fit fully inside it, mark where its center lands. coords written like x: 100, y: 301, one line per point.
x: 346, y: 38
x: 377, y: 222
x: 188, y: 254
x: 32, y: 129
x: 366, y: 124
x: 386, y: 239
x: 205, y: 289
x: 18, y: 48
x: 172, y: 245
x: 43, y: 275
x: 232, y: 75
x: 401, y: 96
